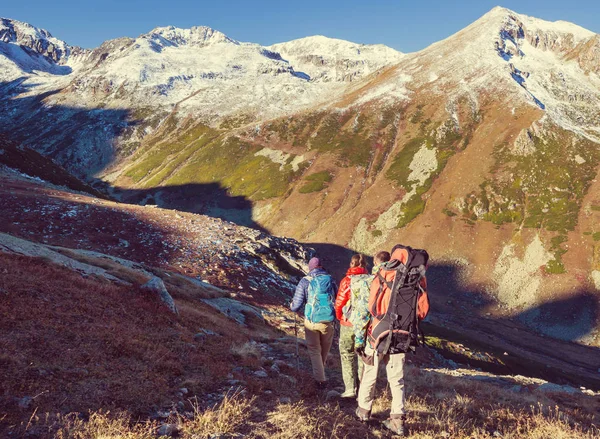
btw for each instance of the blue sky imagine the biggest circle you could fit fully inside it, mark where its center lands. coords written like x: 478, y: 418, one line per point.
x: 404, y: 25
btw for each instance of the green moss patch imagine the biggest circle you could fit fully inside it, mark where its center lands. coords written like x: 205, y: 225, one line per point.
x: 399, y: 171
x: 315, y: 182
x: 542, y: 190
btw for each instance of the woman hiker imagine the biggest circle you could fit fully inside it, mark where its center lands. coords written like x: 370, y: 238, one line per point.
x: 316, y: 291
x: 351, y: 368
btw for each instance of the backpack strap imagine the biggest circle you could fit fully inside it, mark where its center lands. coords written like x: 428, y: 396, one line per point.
x: 382, y: 282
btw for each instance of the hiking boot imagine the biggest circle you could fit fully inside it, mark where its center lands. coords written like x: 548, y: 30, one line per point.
x: 348, y: 394
x: 396, y: 425
x: 362, y: 414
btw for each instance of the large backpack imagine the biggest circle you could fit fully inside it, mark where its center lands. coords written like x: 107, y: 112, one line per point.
x: 399, y: 301
x: 356, y: 310
x: 319, y: 302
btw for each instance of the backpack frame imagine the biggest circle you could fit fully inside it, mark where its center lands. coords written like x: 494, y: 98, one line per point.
x: 396, y: 330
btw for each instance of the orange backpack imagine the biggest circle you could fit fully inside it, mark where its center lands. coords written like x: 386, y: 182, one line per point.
x: 399, y: 301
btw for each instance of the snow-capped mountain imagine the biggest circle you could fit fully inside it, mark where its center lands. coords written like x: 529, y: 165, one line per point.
x: 328, y: 59
x: 25, y: 50
x: 199, y: 69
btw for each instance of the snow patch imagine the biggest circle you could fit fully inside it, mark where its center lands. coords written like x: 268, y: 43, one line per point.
x: 391, y: 91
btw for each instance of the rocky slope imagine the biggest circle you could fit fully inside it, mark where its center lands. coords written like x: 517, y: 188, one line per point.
x: 482, y: 148
x: 91, y: 278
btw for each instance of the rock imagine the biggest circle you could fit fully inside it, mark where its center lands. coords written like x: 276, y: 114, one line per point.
x: 291, y: 379
x: 184, y: 390
x: 157, y: 286
x: 261, y: 374
x: 204, y: 333
x: 280, y: 364
x: 25, y: 402
x: 285, y: 400
x: 181, y: 405
x: 557, y: 388
x: 226, y: 436
x: 168, y: 430
x: 332, y: 394
x: 524, y: 144
x: 234, y: 308
x: 275, y: 368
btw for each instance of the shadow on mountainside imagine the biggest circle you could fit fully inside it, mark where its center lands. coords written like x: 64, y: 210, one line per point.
x: 81, y: 139
x: 209, y: 199
x: 541, y: 341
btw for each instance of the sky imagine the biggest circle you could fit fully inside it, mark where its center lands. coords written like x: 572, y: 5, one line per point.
x: 405, y: 25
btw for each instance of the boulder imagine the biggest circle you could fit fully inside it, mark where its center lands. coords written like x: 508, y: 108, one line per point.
x: 168, y: 430
x: 157, y: 286
x: 234, y: 309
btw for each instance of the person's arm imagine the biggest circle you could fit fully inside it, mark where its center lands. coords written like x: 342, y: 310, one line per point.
x: 342, y: 298
x: 423, y: 302
x: 299, y: 295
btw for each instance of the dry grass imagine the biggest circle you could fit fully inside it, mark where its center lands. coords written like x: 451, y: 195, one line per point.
x: 105, y: 426
x: 230, y: 416
x: 82, y: 346
x: 442, y: 412
x: 78, y: 344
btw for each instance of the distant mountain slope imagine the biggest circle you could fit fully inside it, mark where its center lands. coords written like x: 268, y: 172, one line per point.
x: 32, y: 164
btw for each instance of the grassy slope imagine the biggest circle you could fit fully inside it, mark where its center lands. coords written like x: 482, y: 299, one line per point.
x: 113, y: 348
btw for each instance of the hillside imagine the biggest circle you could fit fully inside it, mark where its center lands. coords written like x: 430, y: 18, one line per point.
x: 482, y: 148
x: 116, y: 361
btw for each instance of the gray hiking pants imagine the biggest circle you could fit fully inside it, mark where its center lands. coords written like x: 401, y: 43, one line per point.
x: 394, y: 367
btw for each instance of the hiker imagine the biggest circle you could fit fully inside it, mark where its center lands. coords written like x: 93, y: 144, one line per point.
x: 316, y: 291
x: 396, y: 313
x: 351, y: 368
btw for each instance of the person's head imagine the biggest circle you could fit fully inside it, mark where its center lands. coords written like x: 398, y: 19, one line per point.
x: 358, y: 260
x: 382, y: 257
x: 314, y: 263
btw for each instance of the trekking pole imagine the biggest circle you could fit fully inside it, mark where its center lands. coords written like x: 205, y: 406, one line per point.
x: 297, y: 349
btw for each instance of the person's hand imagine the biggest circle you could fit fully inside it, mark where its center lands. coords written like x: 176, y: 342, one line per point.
x: 360, y: 351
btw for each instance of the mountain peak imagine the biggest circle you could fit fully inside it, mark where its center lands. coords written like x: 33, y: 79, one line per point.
x: 194, y: 36
x: 536, y: 25
x: 38, y: 40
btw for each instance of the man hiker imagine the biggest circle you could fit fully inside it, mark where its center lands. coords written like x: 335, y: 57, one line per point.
x: 344, y: 306
x: 316, y: 292
x: 402, y: 307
